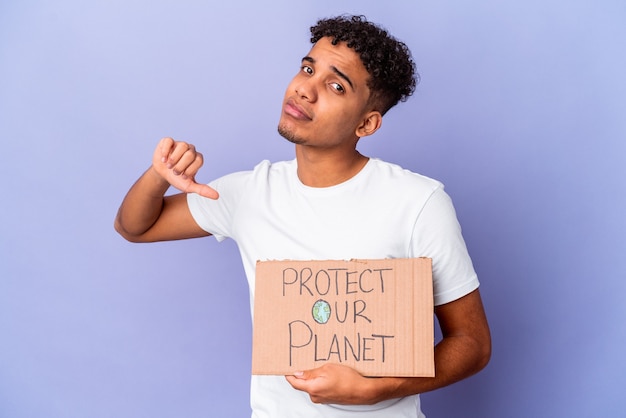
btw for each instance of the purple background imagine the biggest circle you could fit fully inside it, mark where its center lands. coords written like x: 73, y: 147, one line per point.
x: 521, y: 112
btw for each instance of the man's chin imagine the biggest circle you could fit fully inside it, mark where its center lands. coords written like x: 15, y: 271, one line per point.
x: 289, y: 135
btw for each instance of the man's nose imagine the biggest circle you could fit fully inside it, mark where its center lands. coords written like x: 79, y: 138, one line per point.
x: 306, y: 89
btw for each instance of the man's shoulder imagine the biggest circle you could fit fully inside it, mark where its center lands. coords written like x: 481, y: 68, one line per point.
x: 386, y: 170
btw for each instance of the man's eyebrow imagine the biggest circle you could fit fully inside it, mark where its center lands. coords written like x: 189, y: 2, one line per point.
x: 332, y: 67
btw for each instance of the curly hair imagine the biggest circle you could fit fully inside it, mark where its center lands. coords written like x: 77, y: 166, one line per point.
x: 387, y: 60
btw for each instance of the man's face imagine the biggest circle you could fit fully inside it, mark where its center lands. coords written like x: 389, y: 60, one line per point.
x: 327, y: 100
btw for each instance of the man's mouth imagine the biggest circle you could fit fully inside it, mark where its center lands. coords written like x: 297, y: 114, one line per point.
x: 295, y: 110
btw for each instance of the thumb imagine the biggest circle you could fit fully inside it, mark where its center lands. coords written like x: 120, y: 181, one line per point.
x: 297, y: 380
x: 304, y: 374
x: 203, y: 190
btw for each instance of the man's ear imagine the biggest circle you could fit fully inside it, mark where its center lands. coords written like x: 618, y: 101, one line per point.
x: 370, y: 124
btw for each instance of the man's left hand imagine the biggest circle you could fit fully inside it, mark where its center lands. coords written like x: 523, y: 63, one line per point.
x: 334, y: 384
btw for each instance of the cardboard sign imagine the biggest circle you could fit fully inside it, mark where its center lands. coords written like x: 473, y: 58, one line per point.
x: 373, y: 315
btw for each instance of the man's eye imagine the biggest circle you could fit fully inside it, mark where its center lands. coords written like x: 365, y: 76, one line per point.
x: 338, y: 87
x: 307, y: 69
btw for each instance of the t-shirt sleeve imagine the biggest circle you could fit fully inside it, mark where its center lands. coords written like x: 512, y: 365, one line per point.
x: 215, y: 216
x: 437, y: 234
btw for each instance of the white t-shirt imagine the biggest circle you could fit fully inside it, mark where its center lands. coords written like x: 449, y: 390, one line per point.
x: 384, y: 211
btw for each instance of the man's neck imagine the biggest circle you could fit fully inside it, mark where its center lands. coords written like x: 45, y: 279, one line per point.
x: 320, y: 168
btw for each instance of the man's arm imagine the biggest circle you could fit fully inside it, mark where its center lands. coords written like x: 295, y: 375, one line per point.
x: 464, y: 350
x: 146, y: 215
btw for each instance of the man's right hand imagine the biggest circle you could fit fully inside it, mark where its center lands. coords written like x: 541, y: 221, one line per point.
x: 177, y: 163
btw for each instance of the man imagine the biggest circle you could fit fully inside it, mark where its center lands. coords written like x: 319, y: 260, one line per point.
x: 331, y: 202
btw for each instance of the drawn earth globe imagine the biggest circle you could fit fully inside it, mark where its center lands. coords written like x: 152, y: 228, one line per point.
x: 321, y: 311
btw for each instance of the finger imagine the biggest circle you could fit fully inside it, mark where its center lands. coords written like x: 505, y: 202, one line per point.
x: 189, y: 165
x: 299, y: 378
x: 299, y: 375
x: 185, y: 159
x: 306, y: 386
x: 203, y: 190
x: 179, y: 150
x: 165, y: 148
x: 296, y: 382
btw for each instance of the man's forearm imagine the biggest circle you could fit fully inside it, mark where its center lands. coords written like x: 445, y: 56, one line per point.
x: 142, y: 205
x: 456, y: 358
x: 464, y: 350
